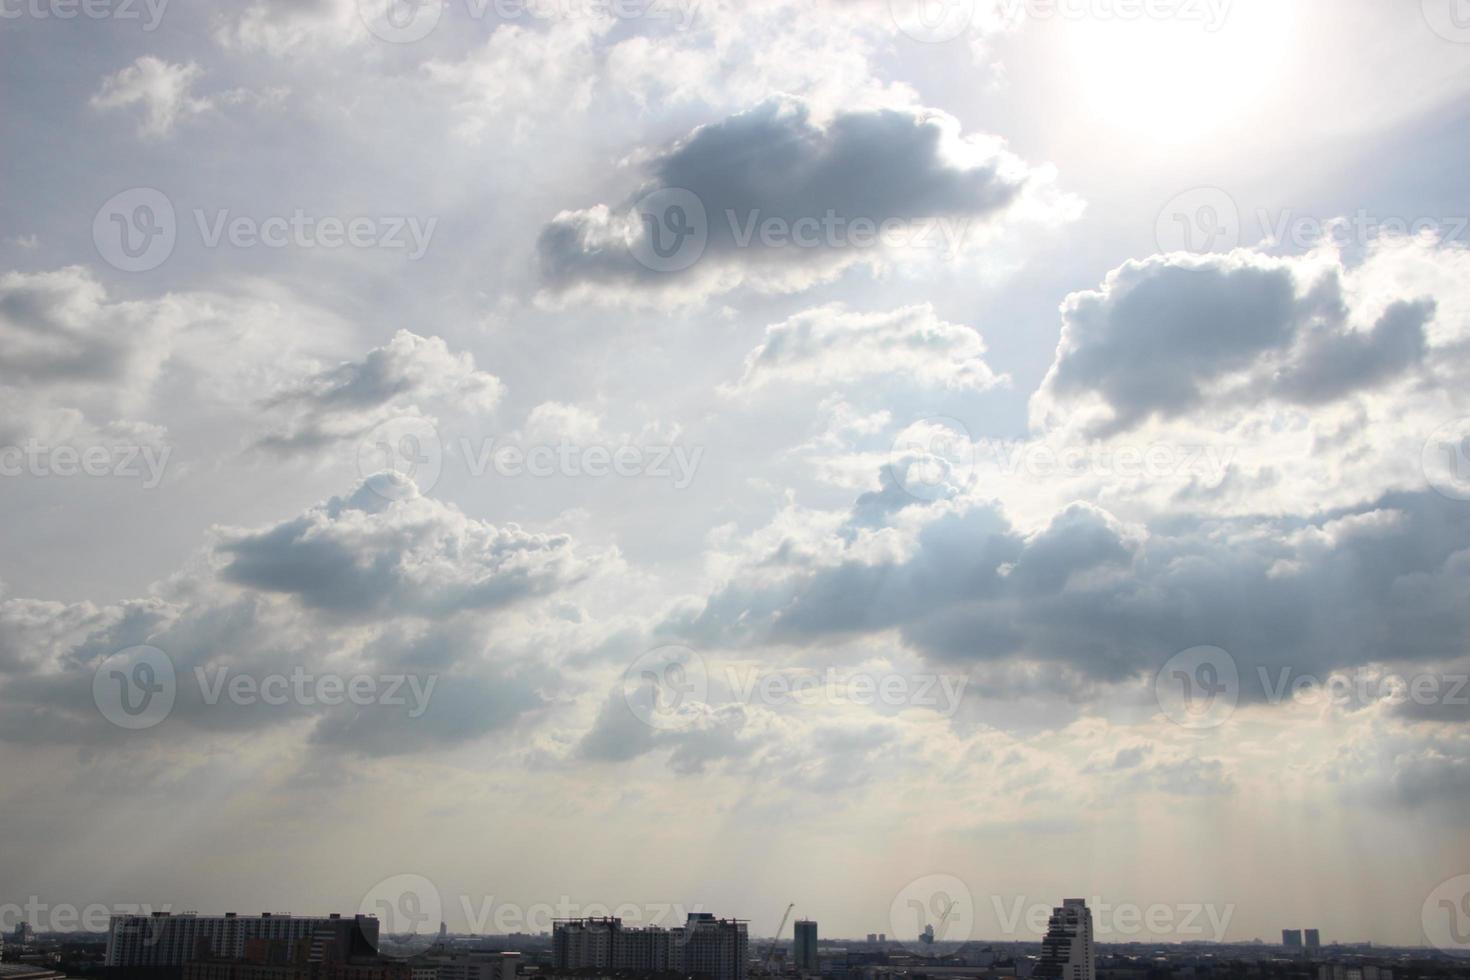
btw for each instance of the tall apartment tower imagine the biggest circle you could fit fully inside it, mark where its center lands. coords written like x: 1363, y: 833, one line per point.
x: 717, y: 949
x: 1067, y: 952
x: 1314, y: 939
x: 804, y: 949
x: 1291, y: 938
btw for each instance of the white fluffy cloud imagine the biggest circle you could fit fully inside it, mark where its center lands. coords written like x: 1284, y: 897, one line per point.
x: 832, y: 345
x: 160, y: 89
x: 344, y: 402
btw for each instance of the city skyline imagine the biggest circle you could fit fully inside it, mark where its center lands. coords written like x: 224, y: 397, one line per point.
x: 913, y: 460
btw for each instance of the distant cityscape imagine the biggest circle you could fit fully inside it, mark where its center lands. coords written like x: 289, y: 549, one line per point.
x: 189, y: 946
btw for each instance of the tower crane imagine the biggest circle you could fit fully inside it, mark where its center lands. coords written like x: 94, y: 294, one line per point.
x: 771, y: 949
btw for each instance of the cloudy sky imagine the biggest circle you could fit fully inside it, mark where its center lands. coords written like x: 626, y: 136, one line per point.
x: 738, y: 452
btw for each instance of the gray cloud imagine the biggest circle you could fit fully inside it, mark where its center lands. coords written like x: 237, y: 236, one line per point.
x: 364, y: 554
x: 346, y: 401
x: 1100, y: 601
x: 777, y: 162
x: 1168, y: 335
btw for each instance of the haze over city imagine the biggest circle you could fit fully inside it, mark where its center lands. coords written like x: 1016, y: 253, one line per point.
x: 916, y: 461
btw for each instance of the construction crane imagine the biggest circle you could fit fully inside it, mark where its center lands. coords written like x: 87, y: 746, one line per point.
x: 771, y: 949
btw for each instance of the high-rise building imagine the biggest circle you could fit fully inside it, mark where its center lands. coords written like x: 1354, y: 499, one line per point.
x: 804, y: 950
x: 713, y: 948
x: 1314, y: 939
x: 1291, y: 938
x: 163, y: 939
x: 1067, y: 952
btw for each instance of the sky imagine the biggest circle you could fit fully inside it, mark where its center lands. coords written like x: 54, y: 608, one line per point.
x: 473, y: 459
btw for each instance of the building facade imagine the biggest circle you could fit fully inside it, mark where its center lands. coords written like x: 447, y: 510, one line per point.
x: 804, y: 948
x: 705, y: 946
x: 1067, y: 952
x: 163, y: 939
